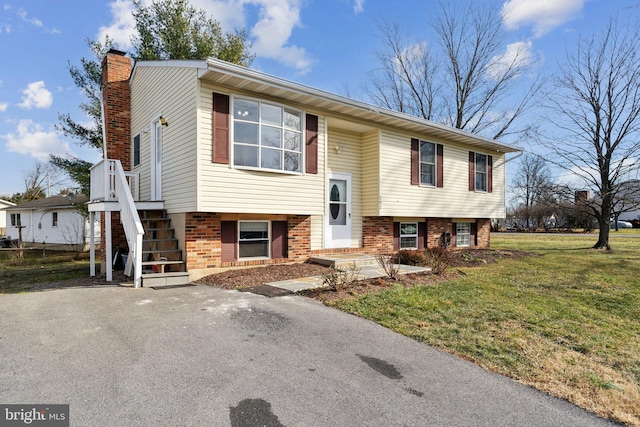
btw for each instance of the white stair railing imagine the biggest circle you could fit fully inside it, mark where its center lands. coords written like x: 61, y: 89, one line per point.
x: 130, y: 219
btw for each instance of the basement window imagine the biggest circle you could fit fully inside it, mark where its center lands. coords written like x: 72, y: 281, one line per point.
x: 463, y: 234
x: 253, y: 239
x: 408, y: 235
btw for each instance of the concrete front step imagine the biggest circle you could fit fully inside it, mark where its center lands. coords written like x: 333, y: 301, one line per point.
x: 165, y: 279
x: 343, y: 261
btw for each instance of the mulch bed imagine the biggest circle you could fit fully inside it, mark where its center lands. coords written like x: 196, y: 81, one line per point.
x: 247, y: 278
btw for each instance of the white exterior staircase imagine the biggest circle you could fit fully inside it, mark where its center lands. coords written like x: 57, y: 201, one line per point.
x: 154, y: 258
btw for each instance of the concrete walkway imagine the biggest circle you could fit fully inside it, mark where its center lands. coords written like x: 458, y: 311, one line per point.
x: 366, y: 272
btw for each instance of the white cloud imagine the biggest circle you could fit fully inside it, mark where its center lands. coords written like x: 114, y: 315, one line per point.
x: 3, y: 107
x: 516, y: 55
x: 30, y: 139
x: 358, y: 6
x: 270, y: 34
x: 123, y: 25
x: 542, y: 15
x: 36, y: 96
x: 34, y: 21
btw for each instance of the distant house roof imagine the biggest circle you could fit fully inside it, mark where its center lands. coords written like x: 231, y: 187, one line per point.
x: 6, y: 203
x: 50, y: 203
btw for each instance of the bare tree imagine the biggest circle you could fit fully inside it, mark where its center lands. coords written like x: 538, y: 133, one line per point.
x: 38, y: 181
x: 531, y: 186
x: 595, y: 106
x: 470, y: 82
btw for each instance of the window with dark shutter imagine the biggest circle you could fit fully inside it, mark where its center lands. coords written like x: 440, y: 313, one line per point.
x: 221, y: 128
x: 427, y: 163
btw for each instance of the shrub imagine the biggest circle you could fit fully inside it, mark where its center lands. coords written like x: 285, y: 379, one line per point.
x: 437, y: 259
x: 411, y: 257
x: 389, y: 264
x: 337, y: 278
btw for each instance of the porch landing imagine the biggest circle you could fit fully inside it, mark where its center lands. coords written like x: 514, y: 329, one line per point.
x: 345, y: 260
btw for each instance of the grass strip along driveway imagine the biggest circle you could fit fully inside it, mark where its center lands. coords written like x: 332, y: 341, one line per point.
x: 20, y: 276
x: 565, y: 320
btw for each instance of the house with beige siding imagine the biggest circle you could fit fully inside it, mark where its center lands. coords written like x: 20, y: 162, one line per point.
x: 209, y: 164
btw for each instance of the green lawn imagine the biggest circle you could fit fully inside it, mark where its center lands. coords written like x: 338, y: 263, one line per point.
x: 38, y: 267
x: 565, y: 320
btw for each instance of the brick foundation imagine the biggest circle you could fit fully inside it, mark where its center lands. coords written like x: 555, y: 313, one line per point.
x: 435, y: 228
x: 202, y: 244
x: 483, y: 226
x: 299, y: 237
x: 377, y: 234
x: 203, y: 247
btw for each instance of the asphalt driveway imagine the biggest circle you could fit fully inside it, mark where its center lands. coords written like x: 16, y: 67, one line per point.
x: 200, y: 356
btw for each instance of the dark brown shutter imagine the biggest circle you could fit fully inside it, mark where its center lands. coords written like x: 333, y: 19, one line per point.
x: 489, y: 174
x: 396, y: 236
x: 228, y: 237
x: 472, y: 171
x: 311, y: 156
x: 279, y: 239
x: 473, y: 232
x: 422, y: 235
x: 221, y: 143
x: 454, y: 234
x: 440, y: 166
x: 415, y: 162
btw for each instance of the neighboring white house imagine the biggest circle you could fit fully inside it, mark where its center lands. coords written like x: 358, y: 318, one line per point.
x: 53, y: 222
x: 3, y: 215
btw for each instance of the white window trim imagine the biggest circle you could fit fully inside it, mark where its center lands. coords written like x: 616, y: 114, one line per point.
x: 435, y: 163
x: 16, y: 219
x: 54, y: 219
x: 466, y: 234
x: 256, y: 240
x: 485, y: 173
x: 408, y: 235
x: 303, y: 128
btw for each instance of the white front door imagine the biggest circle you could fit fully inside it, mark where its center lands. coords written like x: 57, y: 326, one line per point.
x: 338, y: 213
x: 156, y: 162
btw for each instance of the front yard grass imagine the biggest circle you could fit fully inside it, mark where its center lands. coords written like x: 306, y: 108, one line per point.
x: 20, y: 276
x: 565, y: 320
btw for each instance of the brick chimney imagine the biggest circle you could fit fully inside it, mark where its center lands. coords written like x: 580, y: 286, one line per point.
x: 116, y: 97
x: 581, y: 197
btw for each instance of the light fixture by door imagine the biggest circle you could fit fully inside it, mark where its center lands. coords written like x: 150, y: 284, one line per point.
x: 163, y: 121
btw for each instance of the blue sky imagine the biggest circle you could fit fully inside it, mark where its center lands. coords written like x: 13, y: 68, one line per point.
x: 328, y: 44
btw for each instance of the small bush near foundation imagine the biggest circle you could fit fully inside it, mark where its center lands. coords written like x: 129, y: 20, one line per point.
x: 411, y: 257
x: 389, y: 264
x: 437, y: 259
x: 337, y: 278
